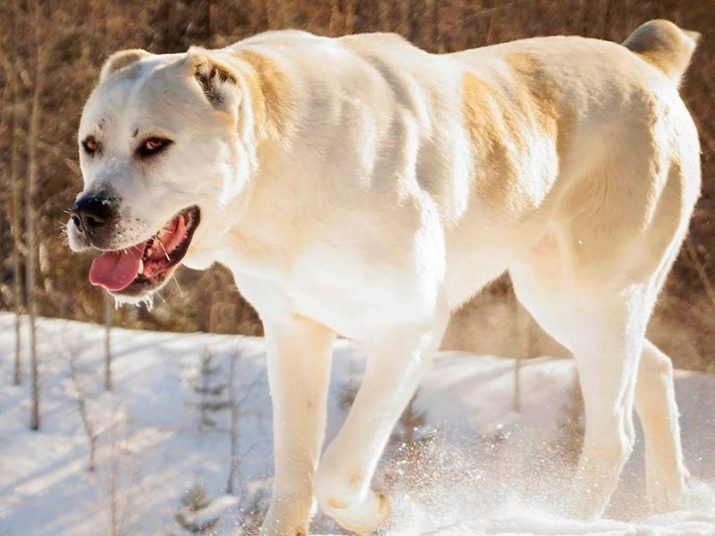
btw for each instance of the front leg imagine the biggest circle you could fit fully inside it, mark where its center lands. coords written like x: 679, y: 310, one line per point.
x: 396, y: 364
x: 299, y: 352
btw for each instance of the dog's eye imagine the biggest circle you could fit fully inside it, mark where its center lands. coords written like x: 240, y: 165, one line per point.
x: 152, y: 146
x: 90, y: 145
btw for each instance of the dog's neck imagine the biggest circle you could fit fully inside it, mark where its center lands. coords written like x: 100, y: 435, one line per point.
x: 270, y: 93
x: 273, y: 118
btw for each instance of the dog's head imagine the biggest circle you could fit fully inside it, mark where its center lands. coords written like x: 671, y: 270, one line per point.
x: 166, y: 148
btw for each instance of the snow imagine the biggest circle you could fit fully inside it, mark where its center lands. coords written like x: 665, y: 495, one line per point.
x: 485, y: 469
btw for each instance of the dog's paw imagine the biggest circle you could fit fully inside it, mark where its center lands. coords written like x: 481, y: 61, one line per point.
x: 287, y: 516
x: 363, y: 518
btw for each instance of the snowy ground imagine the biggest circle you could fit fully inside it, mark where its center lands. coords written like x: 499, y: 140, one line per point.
x: 485, y: 470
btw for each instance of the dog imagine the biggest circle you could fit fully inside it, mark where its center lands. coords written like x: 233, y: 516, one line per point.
x: 361, y: 186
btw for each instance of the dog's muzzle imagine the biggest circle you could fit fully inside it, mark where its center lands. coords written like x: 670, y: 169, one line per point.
x: 95, y: 217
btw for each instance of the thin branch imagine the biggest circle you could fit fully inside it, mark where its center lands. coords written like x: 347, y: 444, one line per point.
x: 700, y: 269
x: 478, y: 14
x: 83, y: 410
x: 30, y: 215
x: 59, y: 153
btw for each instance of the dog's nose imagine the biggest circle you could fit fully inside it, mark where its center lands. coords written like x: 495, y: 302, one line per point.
x: 93, y: 212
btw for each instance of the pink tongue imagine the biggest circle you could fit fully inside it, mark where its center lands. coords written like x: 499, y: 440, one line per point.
x: 115, y: 270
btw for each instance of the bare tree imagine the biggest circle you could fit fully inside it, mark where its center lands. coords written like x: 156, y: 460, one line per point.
x: 335, y: 15
x: 114, y: 458
x: 383, y: 16
x: 524, y: 333
x: 699, y: 268
x: 284, y: 12
x: 403, y: 24
x: 89, y: 427
x: 343, y: 17
x: 433, y: 28
x: 16, y: 186
x: 108, y: 314
x: 30, y: 213
x: 234, y: 428
x: 236, y: 406
x: 120, y: 471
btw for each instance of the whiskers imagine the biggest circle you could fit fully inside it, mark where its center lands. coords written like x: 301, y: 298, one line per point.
x: 162, y: 298
x: 64, y: 233
x: 178, y: 286
x: 163, y: 249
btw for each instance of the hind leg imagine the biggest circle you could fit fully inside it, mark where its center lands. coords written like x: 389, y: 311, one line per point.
x: 658, y: 413
x: 604, y: 328
x: 607, y: 340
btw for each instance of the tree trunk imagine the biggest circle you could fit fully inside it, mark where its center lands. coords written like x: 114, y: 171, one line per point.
x: 31, y: 230
x: 108, y: 313
x: 114, y: 529
x: 83, y: 409
x: 403, y: 27
x: 383, y: 16
x: 16, y: 201
x: 233, y: 406
x: 436, y: 43
x: 335, y: 17
x: 524, y: 329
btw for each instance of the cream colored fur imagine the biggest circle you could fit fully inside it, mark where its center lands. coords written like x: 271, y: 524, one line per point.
x: 360, y: 186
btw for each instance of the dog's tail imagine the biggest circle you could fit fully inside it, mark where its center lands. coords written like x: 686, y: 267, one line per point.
x: 665, y: 46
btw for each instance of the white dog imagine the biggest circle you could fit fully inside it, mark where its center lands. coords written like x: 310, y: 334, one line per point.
x: 361, y: 186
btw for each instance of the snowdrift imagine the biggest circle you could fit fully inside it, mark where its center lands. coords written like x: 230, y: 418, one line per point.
x: 472, y: 465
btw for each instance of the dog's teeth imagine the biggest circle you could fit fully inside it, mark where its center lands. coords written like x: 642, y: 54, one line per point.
x: 141, y: 267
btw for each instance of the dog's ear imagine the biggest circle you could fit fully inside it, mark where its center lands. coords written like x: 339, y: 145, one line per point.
x: 217, y: 80
x: 120, y: 60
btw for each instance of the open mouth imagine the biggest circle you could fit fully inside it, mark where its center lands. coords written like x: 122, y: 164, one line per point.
x: 146, y: 266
